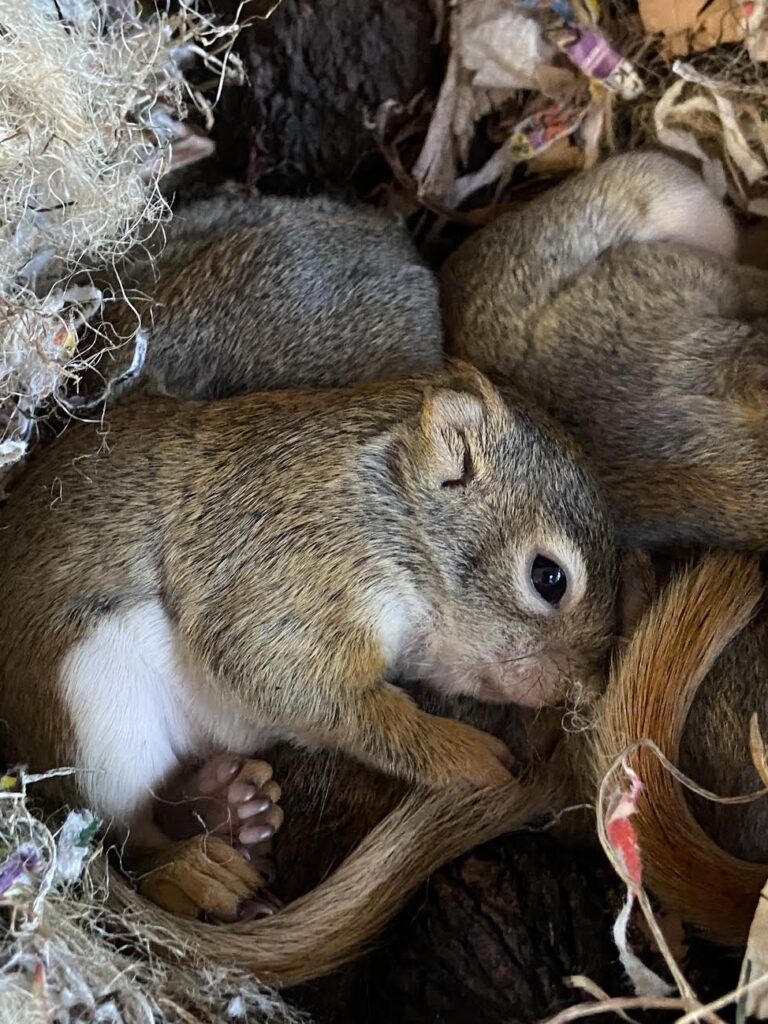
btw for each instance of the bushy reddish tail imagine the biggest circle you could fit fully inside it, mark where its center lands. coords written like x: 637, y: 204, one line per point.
x: 337, y: 921
x: 650, y: 692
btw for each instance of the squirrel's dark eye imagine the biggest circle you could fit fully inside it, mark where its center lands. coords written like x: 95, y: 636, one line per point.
x: 549, y: 580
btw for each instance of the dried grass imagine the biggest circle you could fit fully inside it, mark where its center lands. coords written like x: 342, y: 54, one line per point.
x: 92, y: 100
x: 65, y: 957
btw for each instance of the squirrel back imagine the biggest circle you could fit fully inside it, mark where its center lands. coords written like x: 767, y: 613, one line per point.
x: 614, y: 302
x: 248, y: 293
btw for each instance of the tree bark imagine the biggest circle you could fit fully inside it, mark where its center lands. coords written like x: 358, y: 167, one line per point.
x: 494, y: 937
x: 318, y: 71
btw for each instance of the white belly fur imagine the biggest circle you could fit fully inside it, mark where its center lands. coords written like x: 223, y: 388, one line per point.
x: 140, y: 711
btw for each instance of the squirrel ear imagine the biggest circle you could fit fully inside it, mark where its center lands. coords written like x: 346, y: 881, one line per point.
x: 446, y: 419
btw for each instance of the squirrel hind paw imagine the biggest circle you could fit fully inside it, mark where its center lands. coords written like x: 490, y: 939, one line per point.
x: 227, y: 796
x: 206, y: 876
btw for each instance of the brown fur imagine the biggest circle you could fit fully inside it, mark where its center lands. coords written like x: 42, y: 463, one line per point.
x: 649, y: 695
x: 259, y: 524
x: 339, y: 918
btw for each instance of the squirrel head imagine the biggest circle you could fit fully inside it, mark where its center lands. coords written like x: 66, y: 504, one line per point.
x: 512, y: 579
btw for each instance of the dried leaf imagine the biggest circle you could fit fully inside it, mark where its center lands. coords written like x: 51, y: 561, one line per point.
x: 690, y: 25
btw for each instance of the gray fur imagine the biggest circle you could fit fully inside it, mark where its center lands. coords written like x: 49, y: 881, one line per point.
x: 278, y: 293
x: 653, y: 354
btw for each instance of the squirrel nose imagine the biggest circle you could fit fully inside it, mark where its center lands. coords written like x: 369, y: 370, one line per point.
x: 535, y: 681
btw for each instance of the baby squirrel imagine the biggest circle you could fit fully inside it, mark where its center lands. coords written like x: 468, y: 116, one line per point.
x: 390, y: 325
x: 614, y: 302
x: 225, y: 573
x: 262, y: 292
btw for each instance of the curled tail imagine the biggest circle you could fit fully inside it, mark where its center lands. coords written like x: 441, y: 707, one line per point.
x: 501, y: 281
x: 649, y: 695
x: 335, y: 922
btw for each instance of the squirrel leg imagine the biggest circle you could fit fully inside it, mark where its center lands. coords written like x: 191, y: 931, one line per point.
x: 390, y: 731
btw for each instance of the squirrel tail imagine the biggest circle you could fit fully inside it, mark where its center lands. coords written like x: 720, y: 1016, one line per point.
x: 649, y: 695
x: 335, y: 922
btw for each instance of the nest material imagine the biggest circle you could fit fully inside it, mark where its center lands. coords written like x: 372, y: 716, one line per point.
x: 711, y: 106
x: 92, y: 102
x: 65, y: 957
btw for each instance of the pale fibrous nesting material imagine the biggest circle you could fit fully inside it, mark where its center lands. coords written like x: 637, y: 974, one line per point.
x: 65, y: 957
x: 721, y: 124
x: 92, y: 101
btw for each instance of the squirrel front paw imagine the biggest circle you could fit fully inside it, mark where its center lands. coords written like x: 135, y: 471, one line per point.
x: 235, y: 799
x: 467, y: 755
